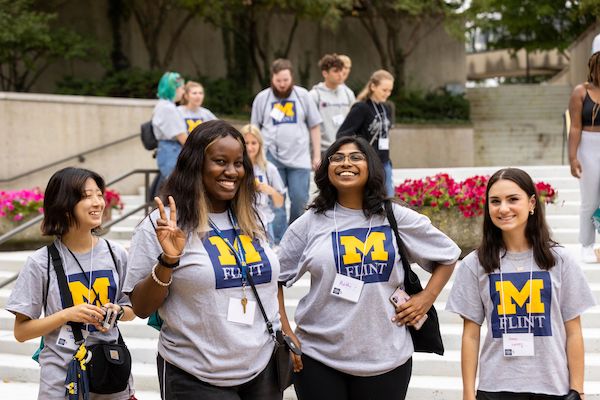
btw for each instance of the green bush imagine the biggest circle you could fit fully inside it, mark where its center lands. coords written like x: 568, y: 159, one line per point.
x: 437, y: 106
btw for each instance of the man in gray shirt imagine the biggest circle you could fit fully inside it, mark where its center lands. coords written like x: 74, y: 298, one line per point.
x: 290, y: 124
x: 333, y: 99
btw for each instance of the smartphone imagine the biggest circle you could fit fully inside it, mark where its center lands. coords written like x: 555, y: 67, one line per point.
x: 400, y: 297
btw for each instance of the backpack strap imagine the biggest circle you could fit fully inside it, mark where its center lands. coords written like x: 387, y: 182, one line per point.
x: 65, y: 293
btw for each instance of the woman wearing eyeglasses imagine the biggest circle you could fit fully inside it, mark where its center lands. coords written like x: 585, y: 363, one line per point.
x: 355, y: 342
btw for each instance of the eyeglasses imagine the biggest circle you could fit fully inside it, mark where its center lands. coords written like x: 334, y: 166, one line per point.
x: 353, y: 158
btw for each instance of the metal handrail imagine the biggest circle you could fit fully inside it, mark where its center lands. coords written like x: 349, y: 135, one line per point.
x: 80, y: 157
x: 146, y: 207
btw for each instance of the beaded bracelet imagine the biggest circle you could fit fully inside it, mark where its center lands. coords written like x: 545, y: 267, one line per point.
x: 158, y: 281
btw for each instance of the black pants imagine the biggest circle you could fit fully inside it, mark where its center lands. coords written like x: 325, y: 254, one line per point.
x: 176, y: 384
x: 317, y: 381
x: 481, y: 395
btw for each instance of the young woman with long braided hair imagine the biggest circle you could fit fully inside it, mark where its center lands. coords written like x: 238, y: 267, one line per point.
x: 584, y: 152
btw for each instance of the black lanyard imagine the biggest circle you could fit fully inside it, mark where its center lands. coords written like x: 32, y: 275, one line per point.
x: 239, y: 254
x: 90, y: 286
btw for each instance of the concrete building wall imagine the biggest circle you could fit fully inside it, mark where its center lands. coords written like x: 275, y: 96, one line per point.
x: 438, y: 60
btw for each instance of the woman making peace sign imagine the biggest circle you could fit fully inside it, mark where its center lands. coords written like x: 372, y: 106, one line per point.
x: 191, y: 261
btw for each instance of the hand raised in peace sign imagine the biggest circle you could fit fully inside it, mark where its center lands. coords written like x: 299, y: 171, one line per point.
x: 171, y: 238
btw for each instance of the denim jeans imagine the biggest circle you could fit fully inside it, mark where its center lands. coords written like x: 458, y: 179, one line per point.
x: 389, y: 182
x: 297, y: 182
x: 166, y: 156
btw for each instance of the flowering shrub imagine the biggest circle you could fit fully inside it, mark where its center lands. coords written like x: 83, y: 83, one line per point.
x: 441, y: 191
x: 15, y: 205
x: 113, y: 199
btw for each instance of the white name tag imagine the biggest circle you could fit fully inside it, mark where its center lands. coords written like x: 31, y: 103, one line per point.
x: 518, y: 344
x: 276, y: 113
x: 338, y: 119
x: 347, y: 288
x: 67, y: 339
x: 384, y: 143
x: 235, y: 312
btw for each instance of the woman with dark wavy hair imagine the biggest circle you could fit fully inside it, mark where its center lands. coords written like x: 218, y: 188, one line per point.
x: 530, y: 291
x: 192, y: 260
x: 355, y: 343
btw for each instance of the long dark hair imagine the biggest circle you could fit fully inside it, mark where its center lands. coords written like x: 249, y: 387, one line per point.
x: 536, y: 230
x: 63, y: 192
x: 186, y: 187
x: 374, y: 191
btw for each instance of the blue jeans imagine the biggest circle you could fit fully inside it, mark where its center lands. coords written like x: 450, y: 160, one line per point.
x: 166, y: 156
x: 389, y: 182
x: 297, y: 182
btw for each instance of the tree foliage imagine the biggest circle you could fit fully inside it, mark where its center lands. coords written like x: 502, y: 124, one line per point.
x: 29, y: 44
x: 529, y: 24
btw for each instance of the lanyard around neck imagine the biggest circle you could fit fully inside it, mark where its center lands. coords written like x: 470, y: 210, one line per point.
x: 337, y: 243
x: 530, y: 294
x: 239, y: 253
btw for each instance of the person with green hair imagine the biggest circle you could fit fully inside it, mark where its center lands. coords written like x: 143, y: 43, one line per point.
x: 167, y: 122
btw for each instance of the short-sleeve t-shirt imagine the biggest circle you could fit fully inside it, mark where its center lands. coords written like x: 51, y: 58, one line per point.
x: 27, y: 298
x: 553, y: 297
x: 263, y: 203
x: 356, y: 338
x: 287, y: 138
x: 193, y: 118
x: 167, y: 121
x: 196, y: 335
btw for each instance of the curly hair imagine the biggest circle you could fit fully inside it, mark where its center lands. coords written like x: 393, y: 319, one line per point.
x: 374, y: 191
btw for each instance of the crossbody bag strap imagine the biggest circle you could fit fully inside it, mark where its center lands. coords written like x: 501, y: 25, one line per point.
x: 401, y: 248
x: 260, y: 305
x: 65, y: 293
x: 114, y: 259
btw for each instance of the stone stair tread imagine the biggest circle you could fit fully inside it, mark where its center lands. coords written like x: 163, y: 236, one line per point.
x: 29, y: 390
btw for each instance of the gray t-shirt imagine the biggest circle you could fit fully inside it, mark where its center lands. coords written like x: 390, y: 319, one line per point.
x: 263, y: 200
x: 27, y: 298
x: 196, y: 335
x: 167, y: 121
x: 557, y: 296
x: 333, y: 104
x: 288, y: 138
x: 356, y: 338
x: 193, y: 118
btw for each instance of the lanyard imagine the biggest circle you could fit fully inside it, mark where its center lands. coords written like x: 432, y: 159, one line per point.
x: 337, y: 244
x: 239, y: 253
x: 382, y: 120
x: 530, y: 293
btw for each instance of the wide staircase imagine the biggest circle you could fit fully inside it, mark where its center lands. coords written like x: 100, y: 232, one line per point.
x: 434, y: 377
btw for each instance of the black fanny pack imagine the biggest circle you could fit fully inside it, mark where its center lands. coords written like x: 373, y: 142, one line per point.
x: 109, y: 368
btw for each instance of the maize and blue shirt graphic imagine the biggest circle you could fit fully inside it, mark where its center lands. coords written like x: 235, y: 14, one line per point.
x: 356, y: 338
x: 286, y: 139
x: 196, y: 335
x: 193, y: 118
x: 519, y: 303
x: 28, y: 294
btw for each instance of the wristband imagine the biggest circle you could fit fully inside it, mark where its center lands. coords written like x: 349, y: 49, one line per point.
x: 120, y: 313
x: 162, y: 262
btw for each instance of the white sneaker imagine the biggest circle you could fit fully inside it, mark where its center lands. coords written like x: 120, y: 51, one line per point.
x: 588, y: 255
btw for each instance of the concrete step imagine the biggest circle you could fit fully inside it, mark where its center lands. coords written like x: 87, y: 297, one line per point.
x: 558, y: 221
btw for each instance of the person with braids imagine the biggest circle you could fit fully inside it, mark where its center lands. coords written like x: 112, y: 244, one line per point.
x: 193, y: 259
x: 356, y: 344
x: 584, y: 151
x: 530, y: 293
x: 371, y: 118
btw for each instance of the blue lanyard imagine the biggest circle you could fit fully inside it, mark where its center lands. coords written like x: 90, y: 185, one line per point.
x: 240, y: 254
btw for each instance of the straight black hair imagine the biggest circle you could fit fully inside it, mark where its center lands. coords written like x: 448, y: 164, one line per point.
x: 536, y: 230
x: 374, y: 191
x: 65, y: 189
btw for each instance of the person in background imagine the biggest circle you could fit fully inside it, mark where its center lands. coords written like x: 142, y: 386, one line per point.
x: 95, y: 269
x: 584, y: 151
x: 167, y: 123
x: 191, y: 106
x: 370, y: 118
x: 356, y: 344
x: 269, y: 186
x: 347, y: 67
x: 191, y: 260
x: 332, y: 98
x: 530, y: 293
x: 290, y: 124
